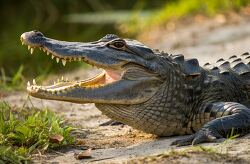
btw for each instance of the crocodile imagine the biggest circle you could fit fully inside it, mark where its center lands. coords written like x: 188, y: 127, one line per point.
x: 151, y: 90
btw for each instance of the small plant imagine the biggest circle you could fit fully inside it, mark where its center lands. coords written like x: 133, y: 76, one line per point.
x: 24, y: 131
x: 12, y: 83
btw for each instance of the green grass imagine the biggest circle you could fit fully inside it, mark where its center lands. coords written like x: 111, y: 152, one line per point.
x: 12, y: 83
x: 182, y: 8
x: 24, y: 131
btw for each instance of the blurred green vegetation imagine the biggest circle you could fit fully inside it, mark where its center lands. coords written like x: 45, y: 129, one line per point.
x: 182, y: 8
x: 82, y: 20
x: 49, y: 17
x: 24, y: 131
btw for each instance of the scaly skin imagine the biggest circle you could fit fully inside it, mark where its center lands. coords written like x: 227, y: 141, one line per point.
x: 152, y: 91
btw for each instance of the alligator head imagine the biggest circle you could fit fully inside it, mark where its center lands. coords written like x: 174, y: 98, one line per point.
x: 132, y: 73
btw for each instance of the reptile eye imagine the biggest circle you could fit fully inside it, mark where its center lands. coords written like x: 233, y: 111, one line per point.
x: 119, y: 44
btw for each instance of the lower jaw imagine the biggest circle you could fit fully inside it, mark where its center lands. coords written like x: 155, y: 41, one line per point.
x: 101, y: 79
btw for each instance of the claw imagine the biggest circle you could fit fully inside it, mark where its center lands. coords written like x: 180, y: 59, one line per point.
x: 183, y: 142
x: 211, y: 138
x: 202, y: 136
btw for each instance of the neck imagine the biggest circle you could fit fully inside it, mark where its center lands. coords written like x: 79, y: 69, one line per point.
x: 163, y: 106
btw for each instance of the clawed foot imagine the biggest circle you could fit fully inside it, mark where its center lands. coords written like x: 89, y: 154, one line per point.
x: 201, y: 136
x: 111, y: 123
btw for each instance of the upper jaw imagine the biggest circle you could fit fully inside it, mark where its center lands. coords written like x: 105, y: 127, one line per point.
x: 93, y: 53
x: 68, y: 52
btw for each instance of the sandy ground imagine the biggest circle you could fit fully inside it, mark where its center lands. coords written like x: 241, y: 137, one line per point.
x: 205, y: 39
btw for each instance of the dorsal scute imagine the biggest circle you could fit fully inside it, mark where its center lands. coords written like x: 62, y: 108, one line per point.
x: 220, y: 60
x: 232, y: 57
x: 235, y: 64
x: 240, y: 65
x: 236, y: 60
x: 192, y: 67
x: 245, y: 54
x: 214, y: 68
x: 207, y: 64
x: 224, y: 67
x: 246, y: 58
x: 241, y: 68
x: 178, y: 58
x: 225, y: 64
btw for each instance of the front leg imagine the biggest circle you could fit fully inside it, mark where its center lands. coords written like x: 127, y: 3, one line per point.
x: 234, y: 120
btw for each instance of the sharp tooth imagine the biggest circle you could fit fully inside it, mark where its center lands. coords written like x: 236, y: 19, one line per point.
x: 28, y: 84
x: 54, y: 83
x: 40, y: 48
x: 64, y: 62
x: 22, y: 43
x: 52, y: 57
x: 57, y: 60
x: 79, y: 59
x: 34, y: 82
x: 58, y: 80
x: 29, y: 47
x: 44, y: 50
x: 62, y: 78
x: 47, y: 52
x: 31, y: 50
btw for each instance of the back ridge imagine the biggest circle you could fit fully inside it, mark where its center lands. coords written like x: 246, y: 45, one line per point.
x: 190, y: 66
x: 239, y: 65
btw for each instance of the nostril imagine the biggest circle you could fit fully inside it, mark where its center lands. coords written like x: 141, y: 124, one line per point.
x: 39, y: 34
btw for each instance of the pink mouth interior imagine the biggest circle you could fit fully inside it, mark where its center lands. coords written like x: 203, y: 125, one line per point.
x: 112, y: 76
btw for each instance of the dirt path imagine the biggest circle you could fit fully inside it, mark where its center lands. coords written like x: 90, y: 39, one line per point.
x: 206, y: 40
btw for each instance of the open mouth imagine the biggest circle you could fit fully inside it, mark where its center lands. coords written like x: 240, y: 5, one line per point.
x: 126, y: 78
x: 104, y: 78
